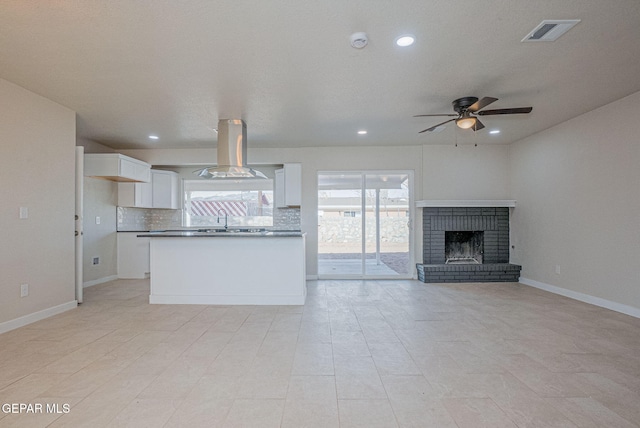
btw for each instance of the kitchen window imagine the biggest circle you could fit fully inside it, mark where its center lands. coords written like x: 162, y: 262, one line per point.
x: 236, y: 203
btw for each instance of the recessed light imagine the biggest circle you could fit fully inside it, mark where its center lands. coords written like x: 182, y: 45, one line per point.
x: 406, y: 40
x: 494, y: 131
x: 153, y: 137
x: 362, y: 132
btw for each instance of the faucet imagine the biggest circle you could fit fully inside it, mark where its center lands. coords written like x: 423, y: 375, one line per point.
x: 226, y: 217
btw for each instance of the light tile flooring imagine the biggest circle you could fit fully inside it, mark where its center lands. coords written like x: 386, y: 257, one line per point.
x: 358, y: 354
x: 353, y: 267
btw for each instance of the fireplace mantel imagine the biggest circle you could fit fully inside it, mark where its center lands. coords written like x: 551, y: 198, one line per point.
x: 464, y: 203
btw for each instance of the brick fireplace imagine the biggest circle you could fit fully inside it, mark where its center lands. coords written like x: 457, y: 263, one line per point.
x: 466, y: 244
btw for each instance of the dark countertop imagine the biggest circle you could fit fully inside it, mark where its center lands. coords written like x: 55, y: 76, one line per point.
x: 212, y: 233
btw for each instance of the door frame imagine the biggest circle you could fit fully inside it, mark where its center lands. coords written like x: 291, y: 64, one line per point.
x: 364, y: 173
x: 79, y: 218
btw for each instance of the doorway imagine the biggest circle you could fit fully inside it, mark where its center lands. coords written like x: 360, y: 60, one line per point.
x: 364, y: 224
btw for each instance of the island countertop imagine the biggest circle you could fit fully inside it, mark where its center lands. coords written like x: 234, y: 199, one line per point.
x: 218, y: 233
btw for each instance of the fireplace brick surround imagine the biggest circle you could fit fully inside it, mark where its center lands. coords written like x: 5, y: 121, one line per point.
x: 493, y: 221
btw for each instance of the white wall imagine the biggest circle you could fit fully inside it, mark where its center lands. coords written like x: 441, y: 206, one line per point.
x: 465, y: 172
x: 99, y: 240
x: 37, y: 158
x: 91, y: 146
x: 578, y: 191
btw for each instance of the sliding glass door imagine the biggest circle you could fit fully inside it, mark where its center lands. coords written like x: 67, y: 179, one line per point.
x: 364, y: 221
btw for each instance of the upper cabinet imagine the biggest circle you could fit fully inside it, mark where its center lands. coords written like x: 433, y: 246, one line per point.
x: 165, y: 189
x: 161, y: 192
x: 136, y: 195
x: 116, y: 167
x: 289, y: 185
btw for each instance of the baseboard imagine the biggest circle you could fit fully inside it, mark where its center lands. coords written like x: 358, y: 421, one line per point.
x: 597, y: 301
x: 312, y: 277
x: 99, y: 281
x: 36, y: 316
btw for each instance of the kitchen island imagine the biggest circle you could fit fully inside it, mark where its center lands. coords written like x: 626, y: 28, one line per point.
x: 227, y: 267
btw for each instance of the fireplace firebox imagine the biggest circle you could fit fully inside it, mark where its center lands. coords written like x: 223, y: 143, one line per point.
x: 463, y: 247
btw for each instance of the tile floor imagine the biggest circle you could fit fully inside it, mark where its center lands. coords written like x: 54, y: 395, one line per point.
x: 358, y: 354
x: 338, y: 267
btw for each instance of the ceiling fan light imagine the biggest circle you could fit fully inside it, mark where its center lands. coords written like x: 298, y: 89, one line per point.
x: 466, y: 122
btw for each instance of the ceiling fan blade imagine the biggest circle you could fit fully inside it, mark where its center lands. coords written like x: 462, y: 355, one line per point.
x: 435, y: 126
x: 519, y: 110
x: 433, y: 115
x: 478, y: 126
x: 480, y: 104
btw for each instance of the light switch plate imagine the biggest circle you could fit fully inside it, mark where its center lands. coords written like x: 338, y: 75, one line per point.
x: 24, y: 212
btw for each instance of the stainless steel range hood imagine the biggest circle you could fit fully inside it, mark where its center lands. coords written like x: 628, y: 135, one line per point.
x: 232, y: 153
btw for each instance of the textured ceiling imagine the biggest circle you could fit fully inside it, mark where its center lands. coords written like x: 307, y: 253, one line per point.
x: 131, y: 68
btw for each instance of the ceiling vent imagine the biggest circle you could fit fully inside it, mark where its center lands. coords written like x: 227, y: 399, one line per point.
x: 549, y: 30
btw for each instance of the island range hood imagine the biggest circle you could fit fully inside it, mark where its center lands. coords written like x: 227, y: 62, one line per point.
x: 232, y: 153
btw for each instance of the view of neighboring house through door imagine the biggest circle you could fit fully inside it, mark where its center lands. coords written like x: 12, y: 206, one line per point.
x: 364, y: 222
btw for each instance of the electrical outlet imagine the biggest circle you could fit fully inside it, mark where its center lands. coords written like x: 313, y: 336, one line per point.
x: 557, y: 269
x: 24, y: 290
x: 97, y: 219
x: 96, y: 260
x: 24, y: 212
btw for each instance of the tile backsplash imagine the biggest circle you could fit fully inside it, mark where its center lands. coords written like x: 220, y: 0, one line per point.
x: 286, y: 218
x: 143, y: 219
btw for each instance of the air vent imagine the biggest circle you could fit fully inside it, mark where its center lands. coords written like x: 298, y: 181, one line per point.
x: 550, y: 30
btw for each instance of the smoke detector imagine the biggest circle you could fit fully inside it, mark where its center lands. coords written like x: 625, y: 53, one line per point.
x: 359, y: 40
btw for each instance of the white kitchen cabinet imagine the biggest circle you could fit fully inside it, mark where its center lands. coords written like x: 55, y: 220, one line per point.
x: 165, y: 189
x: 289, y: 185
x: 161, y: 192
x: 116, y: 167
x: 133, y: 255
x: 137, y: 195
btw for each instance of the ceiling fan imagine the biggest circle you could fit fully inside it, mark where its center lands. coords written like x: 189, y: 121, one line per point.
x: 468, y: 108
